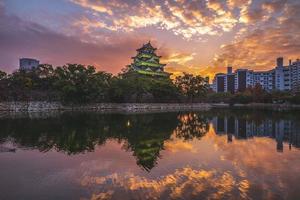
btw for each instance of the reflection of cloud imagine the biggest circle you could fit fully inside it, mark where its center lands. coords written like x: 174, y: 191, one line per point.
x: 183, y: 183
x: 94, y: 165
x: 178, y: 145
x: 270, y: 172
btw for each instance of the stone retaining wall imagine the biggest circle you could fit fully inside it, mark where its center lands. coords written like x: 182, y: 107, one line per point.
x: 41, y: 106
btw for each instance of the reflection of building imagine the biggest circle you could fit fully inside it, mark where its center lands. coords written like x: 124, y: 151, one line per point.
x: 282, y: 78
x: 28, y: 63
x: 241, y: 128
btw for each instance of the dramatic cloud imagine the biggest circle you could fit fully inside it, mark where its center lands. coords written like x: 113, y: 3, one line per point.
x: 260, y: 47
x: 93, y: 5
x: 238, y: 3
x: 185, y: 18
x: 200, y: 37
x: 24, y: 39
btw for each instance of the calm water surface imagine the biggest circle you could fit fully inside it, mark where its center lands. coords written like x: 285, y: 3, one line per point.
x: 218, y: 154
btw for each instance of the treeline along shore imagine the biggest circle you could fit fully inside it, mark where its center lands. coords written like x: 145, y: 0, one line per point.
x: 79, y: 86
x: 57, y: 107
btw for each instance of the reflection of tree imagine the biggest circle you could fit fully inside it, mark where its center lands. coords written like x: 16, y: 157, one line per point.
x: 146, y: 136
x: 143, y: 134
x: 191, y: 126
x: 69, y: 133
x: 79, y: 133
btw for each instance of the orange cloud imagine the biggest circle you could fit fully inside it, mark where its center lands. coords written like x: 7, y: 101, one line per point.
x: 250, y: 33
x: 261, y: 46
x: 97, y: 6
x: 187, y: 19
x: 179, y: 145
x: 274, y: 6
x: 238, y: 3
x: 184, y: 183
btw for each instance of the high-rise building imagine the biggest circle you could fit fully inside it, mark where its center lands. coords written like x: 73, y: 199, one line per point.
x: 28, y: 63
x: 225, y: 82
x: 279, y: 62
x: 241, y: 79
x: 283, y: 78
x: 230, y: 80
x: 295, y: 75
x: 220, y: 83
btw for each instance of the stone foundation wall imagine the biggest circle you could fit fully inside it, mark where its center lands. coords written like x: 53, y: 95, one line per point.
x: 36, y: 106
x: 41, y: 106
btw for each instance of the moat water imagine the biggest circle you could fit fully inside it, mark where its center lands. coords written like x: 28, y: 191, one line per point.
x: 217, y: 154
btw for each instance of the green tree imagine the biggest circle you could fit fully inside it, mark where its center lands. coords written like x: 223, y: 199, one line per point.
x: 79, y: 84
x: 295, y: 98
x: 164, y: 90
x: 129, y: 88
x: 241, y: 97
x: 259, y: 95
x: 224, y: 97
x: 280, y: 96
x: 20, y: 85
x: 133, y: 87
x: 2, y: 75
x: 3, y: 86
x: 193, y: 87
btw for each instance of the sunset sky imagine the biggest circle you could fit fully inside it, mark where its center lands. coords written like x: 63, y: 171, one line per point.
x: 196, y: 36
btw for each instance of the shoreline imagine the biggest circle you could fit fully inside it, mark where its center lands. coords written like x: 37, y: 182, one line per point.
x: 260, y: 106
x: 44, y: 107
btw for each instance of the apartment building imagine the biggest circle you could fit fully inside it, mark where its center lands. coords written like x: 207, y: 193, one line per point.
x: 283, y: 78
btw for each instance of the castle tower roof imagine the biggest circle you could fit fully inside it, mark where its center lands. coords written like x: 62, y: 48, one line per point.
x: 147, y: 46
x: 147, y: 62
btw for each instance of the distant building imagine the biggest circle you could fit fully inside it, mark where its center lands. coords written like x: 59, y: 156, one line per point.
x: 224, y: 82
x: 283, y: 78
x: 294, y: 74
x: 219, y: 83
x: 28, y: 63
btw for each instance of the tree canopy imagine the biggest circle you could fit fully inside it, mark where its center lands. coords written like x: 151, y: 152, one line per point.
x: 79, y: 84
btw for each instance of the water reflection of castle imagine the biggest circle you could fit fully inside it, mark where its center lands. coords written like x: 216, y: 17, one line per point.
x: 144, y: 134
x: 282, y: 130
